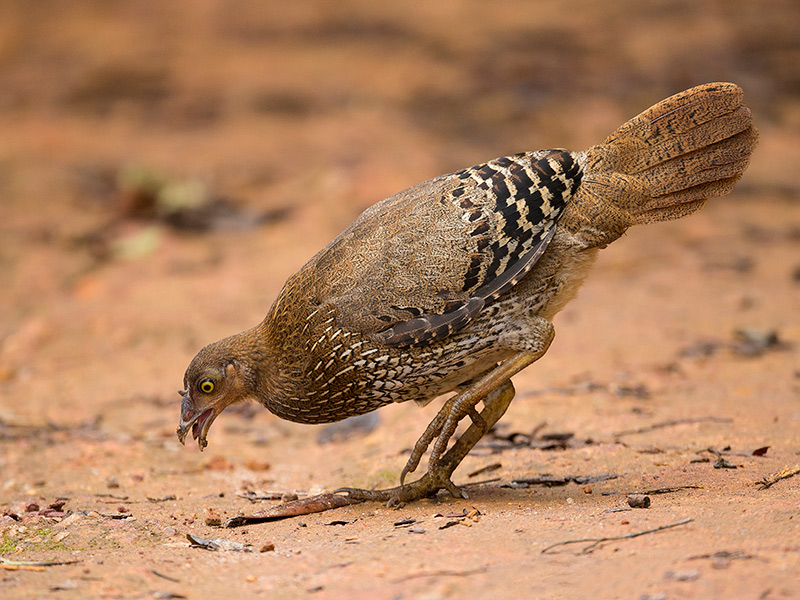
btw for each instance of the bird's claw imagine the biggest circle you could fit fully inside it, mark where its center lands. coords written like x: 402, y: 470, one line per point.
x: 424, y: 487
x: 442, y: 465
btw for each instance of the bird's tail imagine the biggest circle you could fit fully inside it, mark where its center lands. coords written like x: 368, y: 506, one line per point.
x: 664, y: 163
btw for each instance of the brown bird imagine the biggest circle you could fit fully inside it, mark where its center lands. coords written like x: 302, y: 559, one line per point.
x: 451, y: 286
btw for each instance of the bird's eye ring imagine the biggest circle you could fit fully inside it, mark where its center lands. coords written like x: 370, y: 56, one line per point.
x: 206, y: 386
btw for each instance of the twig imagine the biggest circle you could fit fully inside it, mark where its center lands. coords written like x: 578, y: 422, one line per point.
x: 672, y: 423
x: 774, y: 478
x: 720, y: 463
x: 597, y: 541
x: 32, y: 565
x: 6, y: 567
x: 442, y: 573
x: 167, y: 577
x: 725, y: 555
x: 294, y: 508
x: 481, y: 482
x: 551, y: 481
x: 670, y: 490
x: 164, y: 499
x: 655, y: 491
x: 486, y: 469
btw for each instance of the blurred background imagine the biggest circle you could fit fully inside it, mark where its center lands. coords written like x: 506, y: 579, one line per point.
x: 164, y: 166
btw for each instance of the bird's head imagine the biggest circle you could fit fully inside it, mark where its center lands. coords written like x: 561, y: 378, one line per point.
x: 216, y: 378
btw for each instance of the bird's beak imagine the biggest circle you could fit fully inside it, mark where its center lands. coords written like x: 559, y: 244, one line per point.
x: 199, y: 421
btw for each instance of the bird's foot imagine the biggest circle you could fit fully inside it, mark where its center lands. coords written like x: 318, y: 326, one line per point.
x: 439, y: 472
x: 424, y: 487
x: 441, y: 429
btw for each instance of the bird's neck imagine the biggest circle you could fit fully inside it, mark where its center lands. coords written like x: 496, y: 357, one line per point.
x: 274, y: 376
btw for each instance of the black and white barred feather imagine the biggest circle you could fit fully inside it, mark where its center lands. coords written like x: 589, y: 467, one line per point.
x: 512, y: 204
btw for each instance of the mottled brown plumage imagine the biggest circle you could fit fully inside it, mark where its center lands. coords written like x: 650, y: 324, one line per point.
x: 452, y: 284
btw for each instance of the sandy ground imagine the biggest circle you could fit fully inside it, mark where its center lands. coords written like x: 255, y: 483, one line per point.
x: 164, y: 166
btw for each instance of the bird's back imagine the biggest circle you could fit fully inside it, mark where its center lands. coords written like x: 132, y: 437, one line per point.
x: 429, y: 250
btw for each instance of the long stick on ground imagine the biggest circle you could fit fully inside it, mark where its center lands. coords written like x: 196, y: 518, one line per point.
x: 597, y: 541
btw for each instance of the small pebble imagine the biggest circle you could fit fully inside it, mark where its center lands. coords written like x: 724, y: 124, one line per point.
x: 268, y: 547
x: 31, y: 506
x: 112, y: 482
x: 638, y: 501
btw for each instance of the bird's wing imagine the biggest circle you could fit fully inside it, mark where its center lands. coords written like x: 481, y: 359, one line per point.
x: 419, y: 265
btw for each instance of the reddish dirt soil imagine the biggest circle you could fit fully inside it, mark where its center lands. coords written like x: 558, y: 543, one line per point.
x: 164, y: 166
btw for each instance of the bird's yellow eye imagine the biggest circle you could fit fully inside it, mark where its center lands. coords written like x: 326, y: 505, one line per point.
x: 206, y: 386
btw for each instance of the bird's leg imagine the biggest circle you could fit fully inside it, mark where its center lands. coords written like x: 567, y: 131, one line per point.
x: 434, y: 430
x: 495, y: 405
x: 531, y: 338
x: 456, y: 408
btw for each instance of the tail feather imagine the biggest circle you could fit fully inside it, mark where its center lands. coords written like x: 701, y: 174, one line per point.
x: 722, y: 160
x: 638, y: 154
x: 666, y: 162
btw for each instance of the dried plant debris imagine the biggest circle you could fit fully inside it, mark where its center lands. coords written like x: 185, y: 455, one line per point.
x: 34, y: 509
x: 465, y: 517
x: 254, y: 496
x: 163, y: 576
x: 340, y: 522
x: 747, y: 341
x: 213, y: 518
x: 721, y: 462
x: 774, y: 478
x: 760, y: 451
x: 217, y: 544
x: 166, y: 498
x: 548, y: 480
x: 595, y: 542
x: 32, y: 565
x: 752, y: 341
x: 117, y: 516
x: 498, y: 441
x: 584, y: 385
x: 405, y: 523
x: 723, y: 558
x: 441, y: 573
x: 487, y: 469
x: 294, y: 508
x: 671, y: 423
